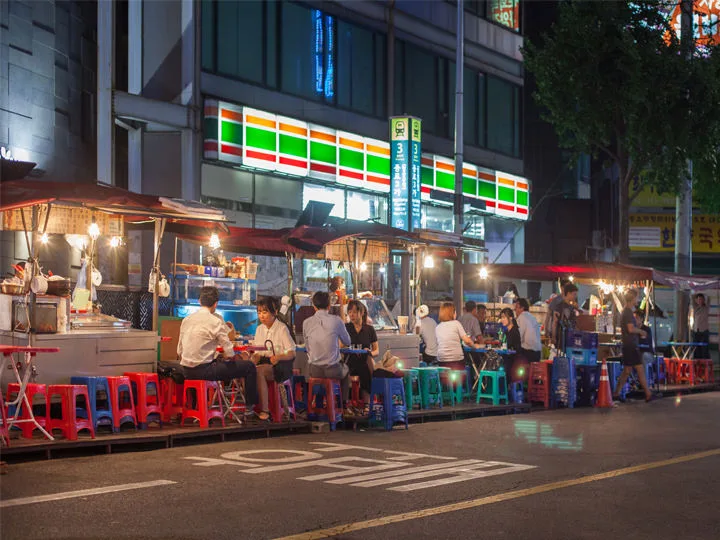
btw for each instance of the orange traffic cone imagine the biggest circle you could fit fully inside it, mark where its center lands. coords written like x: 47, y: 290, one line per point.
x: 604, y: 398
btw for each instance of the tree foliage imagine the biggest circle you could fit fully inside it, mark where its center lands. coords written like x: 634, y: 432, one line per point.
x: 613, y: 81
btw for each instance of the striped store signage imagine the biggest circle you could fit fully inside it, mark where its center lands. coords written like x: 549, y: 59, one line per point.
x: 377, y: 165
x: 427, y: 176
x: 230, y: 132
x: 444, y: 174
x: 487, y: 190
x: 210, y: 129
x: 470, y: 180
x: 351, y: 159
x: 292, y: 146
x: 522, y: 197
x: 323, y: 153
x: 260, y: 150
x: 505, y: 195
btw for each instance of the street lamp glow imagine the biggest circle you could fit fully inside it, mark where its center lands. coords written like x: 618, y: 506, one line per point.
x: 572, y: 279
x: 214, y: 241
x: 382, y: 269
x: 44, y: 238
x: 114, y: 242
x: 483, y: 273
x: 94, y: 231
x: 429, y: 262
x: 363, y: 267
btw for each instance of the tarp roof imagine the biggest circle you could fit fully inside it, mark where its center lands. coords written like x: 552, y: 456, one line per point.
x: 602, y: 271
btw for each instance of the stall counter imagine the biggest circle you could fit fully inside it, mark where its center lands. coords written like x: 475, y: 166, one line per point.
x: 87, y: 353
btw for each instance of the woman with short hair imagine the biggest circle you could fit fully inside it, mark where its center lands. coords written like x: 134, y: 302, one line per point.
x: 363, y: 335
x: 450, y: 336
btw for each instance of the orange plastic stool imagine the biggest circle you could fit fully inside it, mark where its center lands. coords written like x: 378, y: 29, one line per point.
x: 147, y: 405
x: 671, y: 365
x: 171, y: 399
x: 69, y: 423
x: 122, y: 411
x: 685, y: 371
x: 206, y: 394
x: 539, y: 383
x: 31, y: 390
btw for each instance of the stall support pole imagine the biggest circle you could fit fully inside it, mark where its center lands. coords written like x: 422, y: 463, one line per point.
x: 159, y: 229
x: 405, y: 284
x: 289, y: 258
x: 33, y: 256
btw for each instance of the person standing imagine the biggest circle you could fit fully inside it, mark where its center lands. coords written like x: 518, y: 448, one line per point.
x: 530, y: 343
x: 512, y: 341
x: 553, y: 302
x: 427, y: 328
x: 200, y: 335
x: 565, y: 315
x: 450, y: 337
x: 630, y: 347
x: 701, y: 326
x: 323, y: 332
x: 362, y: 335
x: 469, y: 320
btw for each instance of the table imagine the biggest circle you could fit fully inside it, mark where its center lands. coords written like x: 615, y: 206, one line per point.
x: 28, y: 357
x: 483, y: 350
x: 683, y: 350
x: 343, y: 350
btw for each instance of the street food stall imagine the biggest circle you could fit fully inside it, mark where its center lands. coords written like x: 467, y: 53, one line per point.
x: 40, y: 309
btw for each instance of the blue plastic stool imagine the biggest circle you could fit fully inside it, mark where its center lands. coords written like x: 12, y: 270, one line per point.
x: 495, y: 383
x: 516, y: 392
x: 411, y: 378
x: 322, y: 407
x: 94, y: 385
x: 563, y: 387
x: 430, y: 388
x: 387, y: 400
x: 614, y: 371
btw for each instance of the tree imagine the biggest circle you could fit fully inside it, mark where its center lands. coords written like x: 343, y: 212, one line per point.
x: 612, y: 80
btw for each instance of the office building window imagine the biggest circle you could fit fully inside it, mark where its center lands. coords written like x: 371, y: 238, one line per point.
x: 505, y: 12
x: 240, y: 39
x: 418, y: 70
x: 473, y: 106
x: 207, y: 20
x: 361, y: 69
x: 503, y: 116
x: 299, y: 46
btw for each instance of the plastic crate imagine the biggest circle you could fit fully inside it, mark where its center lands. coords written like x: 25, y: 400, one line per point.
x: 564, y: 385
x: 578, y: 339
x: 583, y: 357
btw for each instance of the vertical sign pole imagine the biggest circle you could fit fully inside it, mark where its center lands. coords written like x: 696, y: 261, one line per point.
x: 458, y: 206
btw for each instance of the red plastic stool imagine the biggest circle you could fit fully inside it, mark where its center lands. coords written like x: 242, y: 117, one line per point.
x: 31, y: 390
x: 539, y: 383
x: 324, y: 401
x: 355, y: 399
x: 275, y: 401
x: 206, y: 394
x: 685, y: 371
x: 4, y: 435
x: 69, y: 423
x: 704, y: 371
x: 122, y: 410
x: 146, y: 404
x: 671, y: 366
x: 171, y: 399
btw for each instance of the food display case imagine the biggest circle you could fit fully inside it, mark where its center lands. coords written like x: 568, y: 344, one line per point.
x: 235, y: 304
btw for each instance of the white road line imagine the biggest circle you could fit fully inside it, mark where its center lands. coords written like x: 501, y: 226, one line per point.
x: 82, y: 493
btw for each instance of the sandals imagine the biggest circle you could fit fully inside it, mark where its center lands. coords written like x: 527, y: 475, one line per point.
x: 263, y: 416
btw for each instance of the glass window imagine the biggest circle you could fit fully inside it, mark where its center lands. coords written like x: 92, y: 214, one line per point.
x: 366, y: 207
x: 472, y: 107
x: 502, y: 116
x: 420, y: 75
x: 380, y: 74
x: 356, y: 53
x: 505, y: 12
x: 240, y: 39
x: 438, y: 218
x: 271, y: 40
x: 208, y: 35
x: 334, y: 196
x: 399, y: 90
x: 301, y: 50
x: 277, y: 192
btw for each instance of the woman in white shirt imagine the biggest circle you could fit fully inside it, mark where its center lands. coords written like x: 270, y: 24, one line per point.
x: 277, y: 366
x: 450, y: 336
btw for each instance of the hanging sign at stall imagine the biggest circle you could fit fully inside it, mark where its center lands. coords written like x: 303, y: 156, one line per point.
x: 656, y: 232
x: 65, y: 220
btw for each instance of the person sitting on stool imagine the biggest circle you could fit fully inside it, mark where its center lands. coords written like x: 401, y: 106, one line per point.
x: 200, y: 335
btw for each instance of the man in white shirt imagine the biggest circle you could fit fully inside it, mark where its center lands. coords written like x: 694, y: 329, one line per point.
x: 322, y: 333
x: 200, y: 335
x: 426, y: 328
x: 469, y: 320
x: 531, y: 345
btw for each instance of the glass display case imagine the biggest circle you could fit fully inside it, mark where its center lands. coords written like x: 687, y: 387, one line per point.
x: 378, y: 314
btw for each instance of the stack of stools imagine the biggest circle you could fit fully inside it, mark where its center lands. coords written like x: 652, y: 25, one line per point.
x: 539, y: 383
x: 147, y: 404
x: 411, y: 378
x: 69, y: 422
x: 704, y: 371
x: 324, y: 401
x: 355, y: 399
x: 202, y: 401
x: 563, y: 388
x: 171, y: 399
x: 671, y: 367
x: 275, y: 403
x: 430, y: 388
x: 659, y: 368
x: 121, y: 402
x: 31, y: 390
x: 516, y: 392
x: 300, y: 390
x: 387, y: 402
x: 101, y: 409
x: 492, y: 385
x: 685, y: 371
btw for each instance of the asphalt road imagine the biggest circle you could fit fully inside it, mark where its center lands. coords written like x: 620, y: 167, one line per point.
x: 639, y: 471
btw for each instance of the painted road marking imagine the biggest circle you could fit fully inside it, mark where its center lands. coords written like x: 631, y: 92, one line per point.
x: 399, y: 471
x: 82, y: 493
x: 510, y: 495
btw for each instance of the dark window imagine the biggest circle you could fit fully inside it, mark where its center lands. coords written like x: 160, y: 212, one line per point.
x: 240, y: 39
x: 503, y: 116
x: 207, y: 20
x: 271, y: 44
x: 420, y: 74
x: 472, y: 106
x: 356, y: 68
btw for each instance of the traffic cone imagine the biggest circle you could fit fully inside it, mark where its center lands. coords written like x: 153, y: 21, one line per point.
x: 604, y: 398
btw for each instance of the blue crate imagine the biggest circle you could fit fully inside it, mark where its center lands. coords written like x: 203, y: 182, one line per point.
x: 577, y: 339
x: 582, y: 357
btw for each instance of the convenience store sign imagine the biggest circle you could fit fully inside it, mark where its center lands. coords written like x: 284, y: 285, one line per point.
x: 270, y: 142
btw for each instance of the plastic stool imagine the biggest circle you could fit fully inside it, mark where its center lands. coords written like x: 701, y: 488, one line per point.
x: 275, y: 403
x: 147, y: 407
x: 516, y: 392
x: 4, y: 435
x: 459, y: 380
x: 69, y: 423
x: 324, y: 401
x: 446, y: 383
x: 496, y: 387
x: 411, y: 378
x: 31, y: 390
x: 685, y: 371
x: 171, y: 399
x: 95, y: 385
x: 355, y: 399
x: 387, y: 402
x: 300, y: 392
x: 430, y: 388
x: 539, y: 383
x: 203, y: 409
x: 671, y: 365
x: 123, y: 410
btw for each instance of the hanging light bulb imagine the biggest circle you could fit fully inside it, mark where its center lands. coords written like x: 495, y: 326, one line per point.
x: 572, y: 279
x: 483, y: 273
x: 44, y: 238
x: 429, y: 262
x: 363, y: 267
x: 382, y: 269
x: 115, y: 241
x: 214, y: 241
x: 94, y: 230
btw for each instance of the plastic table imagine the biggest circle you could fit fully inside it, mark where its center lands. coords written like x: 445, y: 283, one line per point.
x: 343, y: 350
x: 684, y: 350
x: 483, y: 350
x: 29, y: 353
